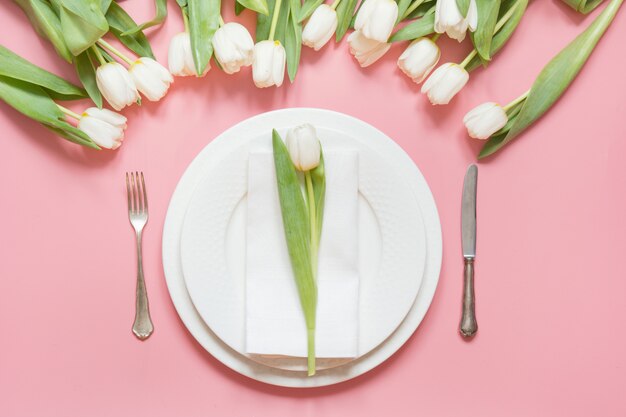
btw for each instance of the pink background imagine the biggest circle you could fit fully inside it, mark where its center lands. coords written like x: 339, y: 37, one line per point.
x: 551, y: 276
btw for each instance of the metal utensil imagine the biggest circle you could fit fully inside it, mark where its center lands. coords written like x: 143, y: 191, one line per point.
x: 469, y: 326
x: 138, y: 215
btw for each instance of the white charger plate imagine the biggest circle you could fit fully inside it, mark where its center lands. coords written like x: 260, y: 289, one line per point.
x: 224, y: 145
x: 392, y: 247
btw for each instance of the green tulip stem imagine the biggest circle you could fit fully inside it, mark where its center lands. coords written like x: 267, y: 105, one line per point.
x: 114, y: 51
x: 69, y: 112
x: 186, y: 21
x: 312, y: 221
x: 516, y: 101
x: 435, y: 37
x: 411, y: 9
x: 98, y: 54
x: 335, y: 4
x: 468, y: 58
x: 274, y: 19
x: 222, y: 23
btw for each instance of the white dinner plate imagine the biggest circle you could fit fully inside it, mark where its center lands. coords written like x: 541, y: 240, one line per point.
x: 225, y: 145
x: 392, y: 246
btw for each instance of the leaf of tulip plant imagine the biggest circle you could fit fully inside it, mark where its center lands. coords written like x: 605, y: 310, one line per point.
x: 264, y: 22
x: 297, y: 233
x: 119, y: 22
x: 421, y: 27
x: 15, y: 67
x: 33, y: 101
x: 463, y: 6
x: 87, y: 75
x: 238, y: 8
x: 293, y: 39
x: 204, y: 20
x: 259, y: 6
x: 422, y: 10
x: 345, y: 11
x: 487, y: 19
x: 505, y: 33
x: 583, y: 6
x: 161, y: 14
x: 47, y: 24
x: 82, y: 23
x: 307, y: 9
x: 555, y: 78
x: 104, y: 5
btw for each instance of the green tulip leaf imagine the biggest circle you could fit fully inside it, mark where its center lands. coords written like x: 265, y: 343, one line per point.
x: 104, y: 5
x: 16, y: 67
x: 293, y: 39
x: 345, y: 11
x: 204, y: 20
x: 238, y: 8
x: 119, y: 22
x: 259, y: 6
x: 583, y: 6
x: 82, y: 23
x: 87, y: 75
x: 307, y: 9
x: 555, y: 78
x: 422, y: 10
x: 161, y: 14
x: 487, y: 19
x: 264, y: 22
x: 423, y: 26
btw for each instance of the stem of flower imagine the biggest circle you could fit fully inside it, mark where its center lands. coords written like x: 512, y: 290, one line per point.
x: 516, y: 101
x: 274, y: 19
x: 312, y: 221
x: 114, y: 51
x: 186, y: 21
x: 505, y: 18
x: 98, y: 55
x: 468, y: 58
x: 311, y: 351
x: 221, y: 21
x: 69, y: 112
x: 435, y: 37
x: 411, y: 9
x: 335, y: 4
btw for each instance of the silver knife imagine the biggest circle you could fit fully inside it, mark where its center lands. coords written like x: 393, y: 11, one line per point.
x: 469, y: 326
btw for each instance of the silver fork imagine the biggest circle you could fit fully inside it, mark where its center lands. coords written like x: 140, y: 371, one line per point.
x: 138, y: 215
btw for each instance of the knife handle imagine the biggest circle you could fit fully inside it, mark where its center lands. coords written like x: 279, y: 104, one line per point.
x: 468, y: 326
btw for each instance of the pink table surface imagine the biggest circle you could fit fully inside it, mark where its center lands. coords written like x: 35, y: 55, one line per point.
x: 551, y: 275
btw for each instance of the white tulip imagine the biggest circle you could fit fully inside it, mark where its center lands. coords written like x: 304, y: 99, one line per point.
x: 485, y: 120
x: 116, y: 85
x: 376, y: 19
x: 445, y: 83
x: 151, y: 78
x: 233, y: 47
x: 320, y: 27
x: 179, y: 56
x: 366, y: 51
x: 304, y: 147
x: 103, y: 126
x: 268, y: 66
x: 448, y: 19
x: 419, y: 59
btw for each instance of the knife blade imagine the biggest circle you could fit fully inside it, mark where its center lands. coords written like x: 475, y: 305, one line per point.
x: 469, y: 325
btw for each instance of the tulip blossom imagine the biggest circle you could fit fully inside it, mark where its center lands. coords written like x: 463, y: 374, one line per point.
x: 485, y: 120
x: 445, y: 83
x: 304, y: 147
x: 233, y: 47
x: 376, y: 19
x: 320, y: 27
x: 179, y: 56
x: 116, y: 85
x: 419, y: 59
x: 268, y: 66
x: 103, y: 126
x: 448, y: 19
x: 151, y: 78
x: 365, y: 50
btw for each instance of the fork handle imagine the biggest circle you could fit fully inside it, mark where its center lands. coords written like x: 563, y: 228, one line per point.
x: 142, y: 326
x: 468, y: 326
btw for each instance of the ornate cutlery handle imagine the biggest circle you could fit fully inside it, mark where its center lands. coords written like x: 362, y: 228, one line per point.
x: 142, y: 326
x: 468, y: 326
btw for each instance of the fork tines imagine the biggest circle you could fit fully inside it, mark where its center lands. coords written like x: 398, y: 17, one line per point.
x: 136, y: 191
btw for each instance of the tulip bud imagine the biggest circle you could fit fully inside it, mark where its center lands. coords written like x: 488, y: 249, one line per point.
x: 419, y: 59
x: 116, y: 85
x: 103, y: 126
x: 376, y: 19
x: 151, y: 78
x: 233, y: 47
x: 268, y: 66
x: 304, y: 147
x: 366, y: 51
x: 179, y: 56
x: 320, y: 27
x: 485, y: 120
x: 445, y: 83
x: 448, y: 19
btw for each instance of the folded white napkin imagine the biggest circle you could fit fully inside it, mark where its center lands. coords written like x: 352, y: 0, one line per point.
x: 274, y: 320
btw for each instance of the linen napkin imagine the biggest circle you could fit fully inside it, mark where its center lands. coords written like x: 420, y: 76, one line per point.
x: 274, y: 320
